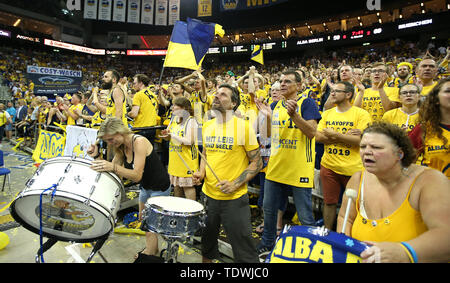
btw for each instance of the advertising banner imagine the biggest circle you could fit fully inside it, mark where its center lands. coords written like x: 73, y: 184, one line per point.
x: 48, y: 81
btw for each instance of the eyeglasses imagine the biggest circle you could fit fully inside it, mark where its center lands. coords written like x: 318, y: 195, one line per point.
x: 378, y: 71
x: 411, y: 92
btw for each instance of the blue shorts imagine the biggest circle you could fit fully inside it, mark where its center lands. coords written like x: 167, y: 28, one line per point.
x: 144, y: 194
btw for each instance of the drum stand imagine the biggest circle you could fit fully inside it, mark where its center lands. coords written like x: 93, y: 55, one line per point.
x: 52, y: 241
x: 171, y: 252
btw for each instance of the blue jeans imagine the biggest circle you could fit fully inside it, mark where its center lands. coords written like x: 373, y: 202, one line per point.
x: 274, y: 194
x: 144, y: 194
x: 262, y: 179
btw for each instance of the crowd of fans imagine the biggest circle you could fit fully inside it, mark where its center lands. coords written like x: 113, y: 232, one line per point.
x: 387, y: 82
x: 318, y: 73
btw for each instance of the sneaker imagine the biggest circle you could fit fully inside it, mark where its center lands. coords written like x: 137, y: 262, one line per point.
x: 263, y: 250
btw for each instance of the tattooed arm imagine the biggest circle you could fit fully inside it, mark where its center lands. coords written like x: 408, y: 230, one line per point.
x: 253, y: 168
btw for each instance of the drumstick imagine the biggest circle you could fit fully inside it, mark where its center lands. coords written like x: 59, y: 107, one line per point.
x: 184, y: 162
x: 204, y: 158
x: 350, y: 193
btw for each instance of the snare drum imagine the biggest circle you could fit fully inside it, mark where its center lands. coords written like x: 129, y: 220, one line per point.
x: 83, y: 207
x: 315, y: 244
x: 172, y: 216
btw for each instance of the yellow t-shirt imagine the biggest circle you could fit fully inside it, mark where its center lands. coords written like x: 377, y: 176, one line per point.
x: 396, y: 82
x: 226, y: 147
x: 342, y: 158
x: 148, y: 105
x: 427, y: 89
x: 436, y: 154
x: 189, y: 153
x: 97, y: 119
x: 111, y: 108
x: 372, y: 103
x: 248, y: 107
x: 198, y: 106
x: 261, y: 93
x: 3, y: 119
x: 43, y: 111
x: 398, y: 117
x: 292, y: 155
x: 70, y: 120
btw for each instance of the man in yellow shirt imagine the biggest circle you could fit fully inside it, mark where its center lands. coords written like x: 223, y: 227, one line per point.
x: 404, y: 75
x: 378, y: 99
x: 198, y: 94
x: 248, y: 108
x: 426, y: 73
x: 407, y: 116
x: 145, y: 107
x: 70, y: 112
x: 291, y: 125
x: 339, y: 129
x: 232, y: 151
x: 116, y: 100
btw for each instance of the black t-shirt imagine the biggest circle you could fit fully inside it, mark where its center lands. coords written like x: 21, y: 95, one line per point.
x: 155, y: 176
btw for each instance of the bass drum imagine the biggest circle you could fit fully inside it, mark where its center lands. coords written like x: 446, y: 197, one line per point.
x: 82, y: 208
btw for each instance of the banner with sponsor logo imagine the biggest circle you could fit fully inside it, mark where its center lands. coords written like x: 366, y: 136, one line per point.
x: 239, y: 5
x: 120, y: 6
x: 174, y: 11
x: 104, y: 10
x: 204, y: 8
x: 78, y: 140
x: 134, y: 10
x: 48, y: 81
x: 147, y: 12
x: 90, y: 9
x: 161, y: 13
x: 49, y: 145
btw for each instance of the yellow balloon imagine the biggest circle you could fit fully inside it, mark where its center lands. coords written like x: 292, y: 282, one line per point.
x: 4, y: 240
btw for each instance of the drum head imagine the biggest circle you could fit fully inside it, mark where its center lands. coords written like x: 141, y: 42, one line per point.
x: 175, y: 204
x: 65, y: 218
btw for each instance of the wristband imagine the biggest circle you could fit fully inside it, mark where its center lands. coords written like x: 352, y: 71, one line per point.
x: 411, y: 260
x: 411, y: 252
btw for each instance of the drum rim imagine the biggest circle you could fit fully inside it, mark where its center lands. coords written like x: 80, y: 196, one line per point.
x: 175, y: 213
x: 85, y: 162
x: 31, y: 228
x: 158, y: 208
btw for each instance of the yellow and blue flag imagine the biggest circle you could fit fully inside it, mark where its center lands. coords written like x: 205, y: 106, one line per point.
x: 257, y: 54
x: 189, y: 43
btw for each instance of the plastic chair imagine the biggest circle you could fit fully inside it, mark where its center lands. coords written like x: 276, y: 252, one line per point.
x: 4, y: 172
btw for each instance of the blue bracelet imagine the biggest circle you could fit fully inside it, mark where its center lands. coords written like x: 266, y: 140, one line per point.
x: 411, y: 250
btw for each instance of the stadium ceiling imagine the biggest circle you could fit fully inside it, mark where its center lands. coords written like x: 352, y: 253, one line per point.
x: 291, y: 12
x: 297, y: 18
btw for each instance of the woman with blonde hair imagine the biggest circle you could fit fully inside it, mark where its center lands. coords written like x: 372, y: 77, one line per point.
x: 135, y: 160
x: 183, y: 152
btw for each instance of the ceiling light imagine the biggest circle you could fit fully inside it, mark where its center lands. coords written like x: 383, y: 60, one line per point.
x: 17, y: 22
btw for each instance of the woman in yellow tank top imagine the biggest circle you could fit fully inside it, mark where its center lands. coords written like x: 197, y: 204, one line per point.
x: 183, y: 152
x: 397, y: 211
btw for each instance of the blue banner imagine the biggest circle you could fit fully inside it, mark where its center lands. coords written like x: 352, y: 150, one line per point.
x: 48, y: 81
x: 239, y: 5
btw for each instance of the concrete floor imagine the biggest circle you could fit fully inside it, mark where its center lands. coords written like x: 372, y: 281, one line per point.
x: 24, y: 244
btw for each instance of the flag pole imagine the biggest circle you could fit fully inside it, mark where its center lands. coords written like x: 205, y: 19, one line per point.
x: 159, y: 86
